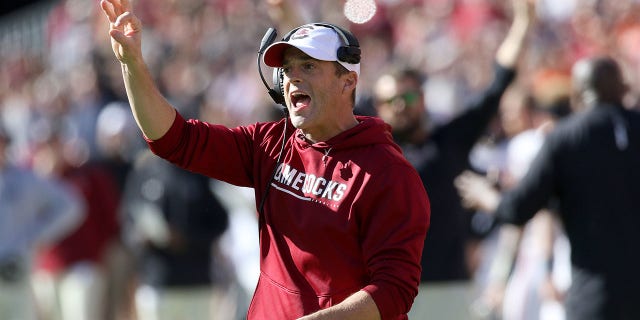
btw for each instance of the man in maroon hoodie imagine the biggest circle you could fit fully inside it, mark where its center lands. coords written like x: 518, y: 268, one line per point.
x: 342, y: 214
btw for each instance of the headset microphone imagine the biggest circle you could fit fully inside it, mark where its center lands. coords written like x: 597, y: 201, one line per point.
x: 267, y: 40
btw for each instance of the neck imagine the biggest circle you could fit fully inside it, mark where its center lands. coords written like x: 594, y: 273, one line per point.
x: 326, y: 133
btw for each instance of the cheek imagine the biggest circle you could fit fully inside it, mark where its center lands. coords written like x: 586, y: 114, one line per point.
x: 285, y: 86
x: 416, y: 111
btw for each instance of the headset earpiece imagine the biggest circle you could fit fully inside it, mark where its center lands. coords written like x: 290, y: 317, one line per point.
x: 278, y: 86
x: 349, y: 54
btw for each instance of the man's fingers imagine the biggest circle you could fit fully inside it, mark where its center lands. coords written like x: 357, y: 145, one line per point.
x: 126, y: 5
x: 117, y: 35
x: 121, y: 6
x: 124, y: 30
x: 129, y: 21
x: 107, y: 8
x: 115, y: 8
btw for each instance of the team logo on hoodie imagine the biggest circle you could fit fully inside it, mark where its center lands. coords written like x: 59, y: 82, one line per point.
x: 307, y: 186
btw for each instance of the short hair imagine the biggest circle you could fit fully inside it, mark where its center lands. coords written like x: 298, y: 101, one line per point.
x: 602, y: 76
x: 413, y: 74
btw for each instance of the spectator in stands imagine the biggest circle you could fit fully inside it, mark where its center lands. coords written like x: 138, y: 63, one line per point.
x: 172, y: 225
x: 34, y: 211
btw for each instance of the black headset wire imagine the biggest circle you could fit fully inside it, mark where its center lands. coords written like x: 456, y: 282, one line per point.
x: 268, y: 38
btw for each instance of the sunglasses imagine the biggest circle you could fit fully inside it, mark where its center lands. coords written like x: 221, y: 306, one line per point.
x: 409, y: 98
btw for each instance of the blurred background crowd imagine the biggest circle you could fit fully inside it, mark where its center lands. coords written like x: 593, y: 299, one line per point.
x: 139, y: 237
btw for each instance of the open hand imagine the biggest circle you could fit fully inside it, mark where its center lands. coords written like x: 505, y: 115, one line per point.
x: 125, y: 29
x: 476, y: 192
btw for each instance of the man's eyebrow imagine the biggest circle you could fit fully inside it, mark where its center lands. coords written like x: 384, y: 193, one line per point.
x: 302, y: 58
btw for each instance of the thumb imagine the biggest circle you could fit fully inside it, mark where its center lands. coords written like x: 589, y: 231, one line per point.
x: 118, y: 36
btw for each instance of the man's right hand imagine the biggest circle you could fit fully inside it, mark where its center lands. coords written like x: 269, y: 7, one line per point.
x: 125, y: 30
x: 153, y: 113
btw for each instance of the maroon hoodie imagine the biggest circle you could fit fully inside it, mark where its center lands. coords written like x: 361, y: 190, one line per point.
x: 341, y: 216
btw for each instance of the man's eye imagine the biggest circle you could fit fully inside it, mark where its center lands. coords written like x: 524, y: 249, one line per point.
x: 308, y: 66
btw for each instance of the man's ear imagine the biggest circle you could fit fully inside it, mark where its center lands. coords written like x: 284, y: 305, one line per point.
x: 350, y: 81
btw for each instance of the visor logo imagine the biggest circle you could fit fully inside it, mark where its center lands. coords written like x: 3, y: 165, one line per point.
x: 301, y: 33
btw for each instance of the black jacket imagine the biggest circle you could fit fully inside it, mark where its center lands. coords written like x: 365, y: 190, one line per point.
x: 444, y: 156
x: 590, y: 166
x: 184, y: 200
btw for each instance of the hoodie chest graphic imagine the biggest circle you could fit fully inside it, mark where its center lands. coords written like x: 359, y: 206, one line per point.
x: 328, y: 187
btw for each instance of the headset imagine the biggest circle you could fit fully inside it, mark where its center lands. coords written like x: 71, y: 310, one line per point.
x: 349, y: 53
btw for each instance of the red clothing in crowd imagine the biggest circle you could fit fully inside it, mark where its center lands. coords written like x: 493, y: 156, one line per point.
x: 89, y: 241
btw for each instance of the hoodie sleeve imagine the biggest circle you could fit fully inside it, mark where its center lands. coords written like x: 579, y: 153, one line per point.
x: 234, y: 155
x: 394, y: 228
x: 212, y: 150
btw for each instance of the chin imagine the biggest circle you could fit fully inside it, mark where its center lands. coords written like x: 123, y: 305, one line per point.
x: 298, y: 121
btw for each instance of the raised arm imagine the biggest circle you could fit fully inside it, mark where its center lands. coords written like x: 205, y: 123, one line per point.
x: 286, y: 13
x: 511, y: 47
x: 153, y: 113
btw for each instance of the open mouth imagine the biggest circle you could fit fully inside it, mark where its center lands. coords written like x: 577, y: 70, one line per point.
x: 300, y: 100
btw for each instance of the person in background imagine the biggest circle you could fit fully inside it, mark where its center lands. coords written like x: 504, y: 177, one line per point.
x: 586, y: 168
x: 440, y: 154
x: 172, y: 223
x: 117, y: 145
x: 536, y: 284
x: 70, y: 274
x: 34, y: 211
